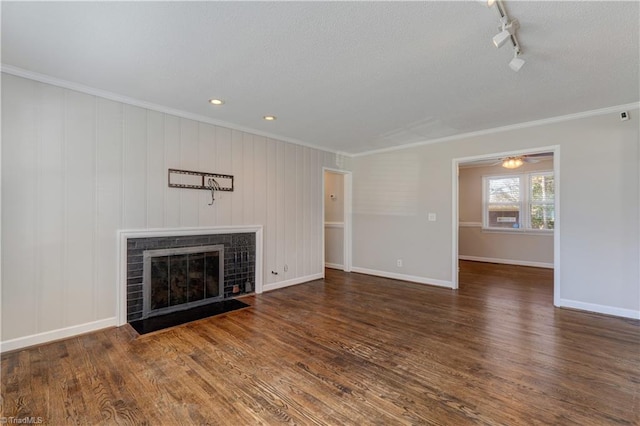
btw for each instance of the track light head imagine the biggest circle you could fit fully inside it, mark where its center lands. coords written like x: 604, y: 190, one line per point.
x: 501, y: 38
x: 508, y: 28
x: 516, y: 63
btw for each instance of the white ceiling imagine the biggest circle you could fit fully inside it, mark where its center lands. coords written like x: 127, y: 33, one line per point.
x: 344, y: 76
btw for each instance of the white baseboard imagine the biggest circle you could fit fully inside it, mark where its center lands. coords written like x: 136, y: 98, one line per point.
x: 61, y: 333
x: 333, y: 266
x: 600, y: 309
x: 403, y: 277
x: 507, y: 261
x: 283, y: 284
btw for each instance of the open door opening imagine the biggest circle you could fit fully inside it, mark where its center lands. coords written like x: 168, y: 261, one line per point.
x: 506, y: 212
x: 337, y: 219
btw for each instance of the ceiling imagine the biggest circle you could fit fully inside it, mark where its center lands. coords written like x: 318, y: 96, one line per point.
x: 350, y: 77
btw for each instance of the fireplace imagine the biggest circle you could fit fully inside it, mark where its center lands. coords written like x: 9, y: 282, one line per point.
x: 180, y: 278
x: 239, y: 268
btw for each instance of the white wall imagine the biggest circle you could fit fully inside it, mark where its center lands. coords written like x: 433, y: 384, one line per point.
x: 76, y: 168
x: 529, y: 249
x: 599, y: 220
x: 333, y: 219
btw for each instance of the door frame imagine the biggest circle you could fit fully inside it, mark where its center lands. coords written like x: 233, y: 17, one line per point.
x: 556, y: 232
x: 346, y: 231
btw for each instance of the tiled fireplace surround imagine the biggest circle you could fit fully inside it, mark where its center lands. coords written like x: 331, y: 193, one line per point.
x: 240, y: 259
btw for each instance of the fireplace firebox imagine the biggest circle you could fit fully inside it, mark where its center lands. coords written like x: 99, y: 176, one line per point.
x: 180, y: 278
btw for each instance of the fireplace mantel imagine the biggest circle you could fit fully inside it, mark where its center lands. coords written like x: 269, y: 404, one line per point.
x: 125, y: 235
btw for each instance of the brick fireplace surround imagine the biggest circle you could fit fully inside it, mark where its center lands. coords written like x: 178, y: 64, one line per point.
x: 242, y: 263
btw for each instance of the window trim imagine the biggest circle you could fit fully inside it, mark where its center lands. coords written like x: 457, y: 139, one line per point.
x: 524, y: 203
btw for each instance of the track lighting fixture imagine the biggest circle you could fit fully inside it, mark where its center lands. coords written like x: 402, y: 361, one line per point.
x: 488, y: 3
x: 507, y: 28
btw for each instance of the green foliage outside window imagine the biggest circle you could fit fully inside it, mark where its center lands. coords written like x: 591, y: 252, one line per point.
x: 542, y: 210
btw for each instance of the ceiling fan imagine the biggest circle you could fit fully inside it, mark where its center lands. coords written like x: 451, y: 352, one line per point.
x: 513, y: 162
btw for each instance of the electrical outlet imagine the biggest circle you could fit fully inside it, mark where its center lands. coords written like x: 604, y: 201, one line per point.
x: 399, y: 263
x: 432, y: 217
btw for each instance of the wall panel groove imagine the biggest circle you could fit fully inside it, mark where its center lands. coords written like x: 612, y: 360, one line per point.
x: 65, y: 209
x: 237, y: 169
x: 37, y: 217
x: 96, y: 207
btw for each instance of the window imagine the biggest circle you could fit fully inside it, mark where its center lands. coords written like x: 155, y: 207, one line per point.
x: 504, y: 202
x: 519, y: 202
x: 541, y: 201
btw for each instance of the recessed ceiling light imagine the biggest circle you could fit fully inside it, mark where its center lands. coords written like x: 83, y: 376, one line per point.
x: 270, y: 117
x: 216, y: 101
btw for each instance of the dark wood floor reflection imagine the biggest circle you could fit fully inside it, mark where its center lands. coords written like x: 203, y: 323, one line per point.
x: 349, y: 350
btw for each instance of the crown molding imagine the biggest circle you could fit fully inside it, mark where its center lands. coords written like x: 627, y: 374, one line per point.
x: 527, y: 124
x: 43, y: 78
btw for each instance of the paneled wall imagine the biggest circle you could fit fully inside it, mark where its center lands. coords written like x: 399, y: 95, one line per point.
x: 76, y: 168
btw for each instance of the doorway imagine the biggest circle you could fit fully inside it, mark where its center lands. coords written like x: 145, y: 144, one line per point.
x: 525, y: 233
x: 336, y: 207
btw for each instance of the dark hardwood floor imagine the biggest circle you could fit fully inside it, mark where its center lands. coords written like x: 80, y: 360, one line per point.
x: 349, y: 350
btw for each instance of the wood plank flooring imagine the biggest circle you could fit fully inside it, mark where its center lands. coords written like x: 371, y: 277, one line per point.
x: 349, y: 350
